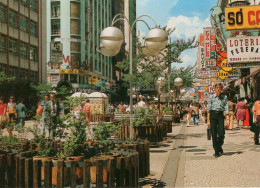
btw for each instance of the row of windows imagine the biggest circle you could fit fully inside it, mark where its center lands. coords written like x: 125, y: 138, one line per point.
x: 24, y: 48
x: 33, y: 4
x: 24, y: 73
x: 13, y: 20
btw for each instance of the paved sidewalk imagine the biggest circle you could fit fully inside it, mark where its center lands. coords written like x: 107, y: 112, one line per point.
x: 238, y: 167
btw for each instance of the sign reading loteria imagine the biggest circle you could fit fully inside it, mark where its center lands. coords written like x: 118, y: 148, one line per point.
x: 238, y: 18
x: 243, y: 49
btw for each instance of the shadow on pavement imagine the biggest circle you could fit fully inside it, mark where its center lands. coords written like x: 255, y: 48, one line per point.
x: 176, y: 137
x: 196, y: 150
x: 158, y: 151
x: 187, y: 147
x: 232, y: 153
x: 149, y: 182
x: 197, y: 135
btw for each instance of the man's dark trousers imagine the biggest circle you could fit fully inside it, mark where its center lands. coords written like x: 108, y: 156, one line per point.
x: 217, y: 120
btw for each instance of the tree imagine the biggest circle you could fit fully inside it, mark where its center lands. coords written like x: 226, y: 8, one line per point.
x: 146, y: 70
x: 5, y: 79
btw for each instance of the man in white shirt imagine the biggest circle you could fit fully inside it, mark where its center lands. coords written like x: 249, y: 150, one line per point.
x: 141, y: 103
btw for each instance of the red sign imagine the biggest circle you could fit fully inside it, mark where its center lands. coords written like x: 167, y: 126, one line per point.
x: 207, y: 41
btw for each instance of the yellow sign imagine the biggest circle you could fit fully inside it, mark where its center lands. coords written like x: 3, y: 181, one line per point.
x: 73, y: 71
x: 93, y: 80
x: 213, y: 79
x: 243, y: 17
x: 226, y: 66
x: 223, y: 74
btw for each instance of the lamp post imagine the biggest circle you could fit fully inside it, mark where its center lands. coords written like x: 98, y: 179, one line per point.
x: 112, y: 38
x: 160, y: 83
x: 178, y: 83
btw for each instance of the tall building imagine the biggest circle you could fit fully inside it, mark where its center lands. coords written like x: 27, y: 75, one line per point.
x: 73, y: 32
x: 22, y: 40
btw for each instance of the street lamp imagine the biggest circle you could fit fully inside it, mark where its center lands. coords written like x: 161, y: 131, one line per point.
x: 112, y: 39
x: 178, y: 82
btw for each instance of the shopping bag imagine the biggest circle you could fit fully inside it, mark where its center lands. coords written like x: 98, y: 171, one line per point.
x: 209, y: 133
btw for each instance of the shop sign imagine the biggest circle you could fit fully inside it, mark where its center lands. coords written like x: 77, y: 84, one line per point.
x: 211, y: 89
x: 243, y: 49
x: 225, y: 66
x: 210, y: 63
x: 246, y: 65
x: 73, y: 71
x: 54, y: 78
x: 56, y: 53
x: 207, y: 41
x: 93, y: 80
x: 57, y: 71
x: 247, y: 17
x: 208, y: 74
x: 202, y: 57
x: 223, y: 74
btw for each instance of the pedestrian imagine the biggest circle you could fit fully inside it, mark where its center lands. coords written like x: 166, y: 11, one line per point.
x: 257, y: 119
x: 121, y: 108
x: 241, y: 112
x: 188, y: 112
x: 11, y: 106
x: 204, y: 111
x: 247, y: 119
x: 195, y: 112
x: 54, y: 114
x: 20, y: 113
x: 45, y: 112
x: 217, y: 113
x: 231, y: 108
x: 2, y: 110
x: 39, y: 109
x: 87, y: 109
x: 141, y: 103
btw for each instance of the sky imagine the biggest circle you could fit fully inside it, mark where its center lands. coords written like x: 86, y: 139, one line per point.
x: 189, y: 17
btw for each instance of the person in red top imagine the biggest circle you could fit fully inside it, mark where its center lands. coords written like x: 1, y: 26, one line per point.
x: 121, y: 107
x: 2, y: 110
x: 87, y: 109
x: 257, y: 119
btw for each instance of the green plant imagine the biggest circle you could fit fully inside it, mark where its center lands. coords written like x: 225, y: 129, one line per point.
x: 103, y: 131
x: 144, y: 116
x: 35, y: 129
x: 45, y: 149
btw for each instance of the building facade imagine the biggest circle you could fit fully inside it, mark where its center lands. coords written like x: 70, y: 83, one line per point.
x: 22, y: 40
x: 73, y: 32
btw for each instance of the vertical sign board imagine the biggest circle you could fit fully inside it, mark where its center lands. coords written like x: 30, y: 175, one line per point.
x: 201, y: 47
x: 207, y: 42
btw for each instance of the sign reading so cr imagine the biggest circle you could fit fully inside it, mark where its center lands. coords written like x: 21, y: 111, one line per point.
x: 243, y: 17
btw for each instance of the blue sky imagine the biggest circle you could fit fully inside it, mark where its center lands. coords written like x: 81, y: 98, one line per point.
x: 187, y: 16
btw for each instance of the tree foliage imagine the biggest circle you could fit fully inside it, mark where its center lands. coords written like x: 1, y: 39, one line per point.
x: 5, y: 79
x: 146, y: 70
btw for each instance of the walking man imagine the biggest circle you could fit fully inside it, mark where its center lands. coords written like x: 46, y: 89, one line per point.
x: 217, y: 113
x: 45, y: 115
x: 20, y: 113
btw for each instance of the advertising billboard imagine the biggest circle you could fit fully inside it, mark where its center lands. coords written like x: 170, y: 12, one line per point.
x: 207, y: 43
x: 246, y: 17
x: 243, y: 49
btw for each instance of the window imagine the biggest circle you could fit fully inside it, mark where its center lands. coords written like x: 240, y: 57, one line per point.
x: 33, y: 53
x: 74, y: 78
x: 33, y: 28
x: 13, y: 19
x: 55, y: 9
x: 75, y: 27
x: 3, y: 13
x: 55, y: 27
x: 13, y: 46
x: 33, y: 76
x: 75, y: 10
x: 24, y: 24
x: 75, y: 59
x: 33, y: 5
x: 75, y: 47
x: 24, y: 50
x: 23, y: 74
x: 13, y: 72
x: 24, y: 2
x: 2, y: 68
x: 2, y: 43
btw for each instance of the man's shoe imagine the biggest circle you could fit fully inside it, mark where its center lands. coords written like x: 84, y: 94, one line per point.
x: 221, y: 151
x: 216, y: 155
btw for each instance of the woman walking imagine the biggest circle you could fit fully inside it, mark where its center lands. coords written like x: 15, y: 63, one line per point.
x: 257, y: 119
x: 241, y: 112
x: 246, y: 121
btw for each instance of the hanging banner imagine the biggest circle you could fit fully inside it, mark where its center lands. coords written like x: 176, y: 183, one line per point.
x: 207, y: 41
x: 243, y: 49
x: 238, y: 18
x: 202, y: 57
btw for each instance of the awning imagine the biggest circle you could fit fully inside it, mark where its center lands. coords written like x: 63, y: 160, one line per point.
x: 240, y: 81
